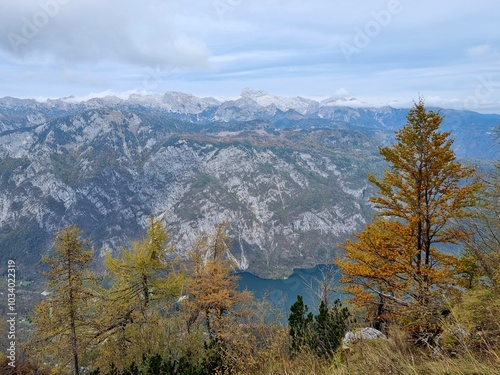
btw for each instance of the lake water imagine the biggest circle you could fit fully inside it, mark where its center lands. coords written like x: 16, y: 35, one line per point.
x: 283, y: 292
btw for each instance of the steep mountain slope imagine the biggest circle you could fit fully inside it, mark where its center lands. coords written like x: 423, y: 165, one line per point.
x: 289, y: 175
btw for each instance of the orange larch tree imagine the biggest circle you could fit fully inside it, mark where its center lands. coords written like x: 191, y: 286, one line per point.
x: 214, y: 301
x: 397, y: 263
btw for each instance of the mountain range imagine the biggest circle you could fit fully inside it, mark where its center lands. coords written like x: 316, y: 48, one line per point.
x: 287, y: 174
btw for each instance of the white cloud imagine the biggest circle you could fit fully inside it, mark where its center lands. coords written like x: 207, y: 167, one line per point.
x: 341, y: 92
x: 480, y: 51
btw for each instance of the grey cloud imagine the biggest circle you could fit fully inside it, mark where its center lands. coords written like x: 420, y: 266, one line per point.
x: 291, y: 47
x: 129, y: 32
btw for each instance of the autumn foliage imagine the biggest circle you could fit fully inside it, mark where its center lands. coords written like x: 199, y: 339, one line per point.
x: 62, y: 322
x: 397, y: 265
x: 154, y: 311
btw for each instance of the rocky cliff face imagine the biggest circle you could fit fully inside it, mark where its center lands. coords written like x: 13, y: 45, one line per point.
x: 291, y: 182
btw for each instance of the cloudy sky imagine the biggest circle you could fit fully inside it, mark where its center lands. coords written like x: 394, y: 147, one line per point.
x: 378, y: 51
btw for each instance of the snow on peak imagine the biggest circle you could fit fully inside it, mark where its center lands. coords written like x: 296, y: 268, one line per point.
x: 282, y: 103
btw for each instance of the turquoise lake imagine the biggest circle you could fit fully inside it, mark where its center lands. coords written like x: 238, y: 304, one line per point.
x: 283, y: 292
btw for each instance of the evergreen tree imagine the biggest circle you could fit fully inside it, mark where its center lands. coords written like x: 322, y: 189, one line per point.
x: 299, y: 325
x: 330, y: 325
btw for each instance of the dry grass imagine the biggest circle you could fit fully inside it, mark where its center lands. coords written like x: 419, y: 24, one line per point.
x: 394, y: 356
